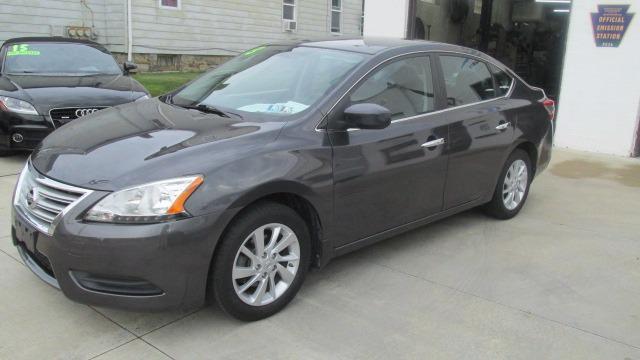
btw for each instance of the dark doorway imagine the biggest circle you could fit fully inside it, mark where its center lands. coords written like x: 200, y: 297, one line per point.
x: 528, y: 36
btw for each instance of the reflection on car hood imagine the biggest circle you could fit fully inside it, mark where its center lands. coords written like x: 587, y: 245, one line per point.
x: 46, y: 92
x: 147, y: 141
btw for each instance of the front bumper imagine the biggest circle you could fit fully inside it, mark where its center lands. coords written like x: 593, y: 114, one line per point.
x: 30, y: 128
x: 135, y: 267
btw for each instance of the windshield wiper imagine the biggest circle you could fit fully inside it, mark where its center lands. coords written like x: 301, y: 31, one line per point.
x: 205, y: 109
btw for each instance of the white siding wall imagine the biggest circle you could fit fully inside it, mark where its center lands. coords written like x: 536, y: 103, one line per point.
x: 50, y: 17
x: 235, y: 25
x: 600, y: 94
x: 115, y: 36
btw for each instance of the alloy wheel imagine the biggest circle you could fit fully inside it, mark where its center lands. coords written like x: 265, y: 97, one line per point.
x: 515, y: 184
x: 266, y: 264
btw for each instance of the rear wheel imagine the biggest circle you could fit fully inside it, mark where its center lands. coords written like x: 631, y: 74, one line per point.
x: 262, y: 262
x: 513, y: 187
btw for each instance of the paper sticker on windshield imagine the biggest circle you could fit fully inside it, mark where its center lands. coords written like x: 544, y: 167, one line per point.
x: 22, y: 50
x: 253, y: 51
x: 290, y: 107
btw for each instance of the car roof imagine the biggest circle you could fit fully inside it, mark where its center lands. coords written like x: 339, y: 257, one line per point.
x: 377, y: 46
x: 372, y: 45
x: 52, y: 39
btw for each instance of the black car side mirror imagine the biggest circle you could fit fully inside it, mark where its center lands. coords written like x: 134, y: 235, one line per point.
x: 367, y: 116
x: 129, y: 67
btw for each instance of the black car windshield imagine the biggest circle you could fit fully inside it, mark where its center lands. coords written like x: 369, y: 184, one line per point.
x: 58, y: 59
x: 275, y: 80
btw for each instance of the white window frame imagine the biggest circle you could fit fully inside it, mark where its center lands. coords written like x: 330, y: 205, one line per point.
x: 177, y: 7
x: 295, y: 8
x: 331, y: 11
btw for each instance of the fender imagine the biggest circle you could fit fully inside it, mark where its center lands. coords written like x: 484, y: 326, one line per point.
x: 279, y: 187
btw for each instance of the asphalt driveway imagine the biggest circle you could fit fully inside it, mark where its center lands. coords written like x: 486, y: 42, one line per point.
x: 562, y: 280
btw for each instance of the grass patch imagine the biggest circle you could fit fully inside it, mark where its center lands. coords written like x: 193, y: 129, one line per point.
x: 163, y: 82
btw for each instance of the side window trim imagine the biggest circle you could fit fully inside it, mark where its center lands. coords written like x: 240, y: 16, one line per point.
x: 323, y: 123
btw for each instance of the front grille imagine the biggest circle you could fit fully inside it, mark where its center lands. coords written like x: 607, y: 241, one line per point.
x: 62, y: 116
x: 42, y: 200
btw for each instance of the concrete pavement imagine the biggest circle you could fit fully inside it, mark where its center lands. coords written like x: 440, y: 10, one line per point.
x: 561, y: 280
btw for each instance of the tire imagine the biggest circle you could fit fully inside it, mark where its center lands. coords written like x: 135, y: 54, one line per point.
x: 500, y: 207
x: 229, y: 261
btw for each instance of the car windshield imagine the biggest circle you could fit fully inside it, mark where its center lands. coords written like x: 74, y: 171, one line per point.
x: 58, y: 59
x: 276, y: 80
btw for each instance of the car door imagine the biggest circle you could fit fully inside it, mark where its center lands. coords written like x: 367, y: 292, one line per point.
x: 389, y: 177
x: 480, y: 130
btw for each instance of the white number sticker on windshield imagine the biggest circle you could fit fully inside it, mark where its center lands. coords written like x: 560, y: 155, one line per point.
x: 290, y: 107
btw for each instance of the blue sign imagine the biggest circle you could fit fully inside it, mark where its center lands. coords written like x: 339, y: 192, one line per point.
x: 610, y: 23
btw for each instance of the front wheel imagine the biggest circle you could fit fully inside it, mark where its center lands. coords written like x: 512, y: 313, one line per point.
x: 513, y: 187
x: 261, y: 262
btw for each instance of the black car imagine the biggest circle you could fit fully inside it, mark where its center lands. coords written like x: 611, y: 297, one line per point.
x: 47, y: 82
x: 281, y: 159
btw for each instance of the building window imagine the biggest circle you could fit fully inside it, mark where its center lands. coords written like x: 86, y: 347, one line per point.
x: 169, y: 4
x: 288, y: 10
x: 336, y: 16
x: 477, y: 7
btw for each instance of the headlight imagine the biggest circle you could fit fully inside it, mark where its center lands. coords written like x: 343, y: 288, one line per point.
x: 17, y: 106
x: 142, y: 98
x: 148, y: 203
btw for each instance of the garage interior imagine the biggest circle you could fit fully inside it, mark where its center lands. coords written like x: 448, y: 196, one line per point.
x: 528, y: 36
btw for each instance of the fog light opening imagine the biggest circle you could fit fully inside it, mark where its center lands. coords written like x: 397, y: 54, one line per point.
x: 17, y: 138
x: 115, y: 285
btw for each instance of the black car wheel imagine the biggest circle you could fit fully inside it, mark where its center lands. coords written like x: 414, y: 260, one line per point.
x: 261, y: 262
x: 513, y: 186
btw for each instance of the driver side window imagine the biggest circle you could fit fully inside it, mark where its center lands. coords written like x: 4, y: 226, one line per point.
x: 405, y: 87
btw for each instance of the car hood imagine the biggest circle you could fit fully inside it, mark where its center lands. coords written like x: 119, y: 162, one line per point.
x: 47, y: 92
x: 146, y: 141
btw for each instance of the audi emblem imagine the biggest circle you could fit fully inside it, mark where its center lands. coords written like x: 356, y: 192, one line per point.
x: 83, y: 112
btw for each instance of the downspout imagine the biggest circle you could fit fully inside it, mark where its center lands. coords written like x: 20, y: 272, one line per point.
x: 129, y: 33
x: 411, y: 19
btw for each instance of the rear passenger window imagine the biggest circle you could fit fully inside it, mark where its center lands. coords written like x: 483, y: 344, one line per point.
x: 502, y: 79
x: 467, y: 80
x: 405, y: 87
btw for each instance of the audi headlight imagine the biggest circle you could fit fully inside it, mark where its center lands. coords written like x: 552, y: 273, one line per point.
x: 17, y: 106
x: 142, y: 98
x: 149, y: 203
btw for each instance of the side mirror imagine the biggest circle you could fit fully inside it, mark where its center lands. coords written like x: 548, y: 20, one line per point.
x: 367, y: 116
x: 129, y: 67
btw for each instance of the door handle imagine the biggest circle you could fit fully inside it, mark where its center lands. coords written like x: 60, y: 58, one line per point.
x: 433, y: 143
x: 503, y: 126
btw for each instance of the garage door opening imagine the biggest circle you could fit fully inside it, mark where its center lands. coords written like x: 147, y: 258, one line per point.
x: 529, y: 36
